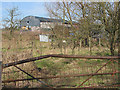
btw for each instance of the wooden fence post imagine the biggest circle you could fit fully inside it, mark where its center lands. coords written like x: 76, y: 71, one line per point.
x: 0, y: 59
x: 119, y: 42
x: 0, y: 75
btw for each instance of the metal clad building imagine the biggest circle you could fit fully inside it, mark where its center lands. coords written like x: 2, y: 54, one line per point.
x: 34, y: 21
x: 31, y: 20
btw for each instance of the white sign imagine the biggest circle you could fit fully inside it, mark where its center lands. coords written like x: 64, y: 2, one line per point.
x: 43, y: 38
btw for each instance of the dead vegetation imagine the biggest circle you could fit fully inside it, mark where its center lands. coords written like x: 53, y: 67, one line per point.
x: 27, y: 45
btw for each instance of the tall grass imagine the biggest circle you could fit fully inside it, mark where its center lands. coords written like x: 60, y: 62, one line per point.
x: 26, y: 45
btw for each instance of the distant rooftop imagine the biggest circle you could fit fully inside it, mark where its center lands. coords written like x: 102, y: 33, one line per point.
x: 35, y: 21
x: 42, y: 19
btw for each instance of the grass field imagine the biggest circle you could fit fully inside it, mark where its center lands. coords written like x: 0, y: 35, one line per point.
x: 27, y: 45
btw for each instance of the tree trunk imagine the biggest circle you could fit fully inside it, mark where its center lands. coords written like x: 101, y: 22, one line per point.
x: 99, y: 42
x: 112, y: 46
x: 90, y: 47
x: 61, y: 48
x: 11, y: 32
x: 64, y: 50
x: 73, y: 52
x: 73, y: 49
x: 80, y: 45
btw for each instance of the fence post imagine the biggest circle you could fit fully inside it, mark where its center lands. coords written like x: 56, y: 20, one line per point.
x: 0, y: 58
x: 0, y: 75
x: 119, y: 41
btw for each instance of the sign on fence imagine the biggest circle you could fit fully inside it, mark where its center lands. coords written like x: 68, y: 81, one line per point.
x: 44, y: 38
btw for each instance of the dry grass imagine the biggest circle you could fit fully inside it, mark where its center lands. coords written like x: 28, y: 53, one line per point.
x: 27, y: 45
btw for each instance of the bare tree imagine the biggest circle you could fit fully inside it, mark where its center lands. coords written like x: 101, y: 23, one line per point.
x: 108, y: 14
x: 87, y: 13
x: 12, y: 20
x: 63, y: 10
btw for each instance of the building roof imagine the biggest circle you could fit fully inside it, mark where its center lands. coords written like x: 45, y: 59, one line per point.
x: 35, y: 21
x: 42, y: 19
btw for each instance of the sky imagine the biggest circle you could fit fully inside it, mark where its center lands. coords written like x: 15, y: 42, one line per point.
x: 33, y: 7
x: 26, y: 8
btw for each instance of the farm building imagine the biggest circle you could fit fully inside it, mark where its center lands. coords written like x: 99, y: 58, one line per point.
x: 38, y: 23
